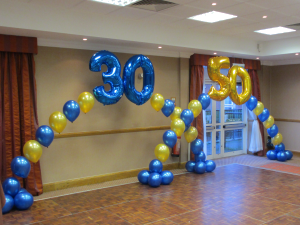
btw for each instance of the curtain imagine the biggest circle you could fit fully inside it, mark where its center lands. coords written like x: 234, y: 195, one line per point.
x: 255, y: 144
x: 256, y: 93
x: 18, y: 114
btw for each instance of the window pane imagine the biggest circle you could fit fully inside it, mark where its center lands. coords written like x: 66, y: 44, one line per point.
x: 218, y: 142
x: 233, y: 140
x: 233, y: 112
x: 208, y: 143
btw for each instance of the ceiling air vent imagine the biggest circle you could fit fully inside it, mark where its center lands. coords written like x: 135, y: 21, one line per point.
x: 295, y: 26
x: 153, y: 5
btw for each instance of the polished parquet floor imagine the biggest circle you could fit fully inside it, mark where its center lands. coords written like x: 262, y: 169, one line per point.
x: 232, y: 194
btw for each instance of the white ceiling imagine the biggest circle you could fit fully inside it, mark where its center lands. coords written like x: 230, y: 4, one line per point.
x: 63, y: 21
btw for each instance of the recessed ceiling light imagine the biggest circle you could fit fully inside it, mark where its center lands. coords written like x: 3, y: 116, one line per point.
x: 159, y: 47
x: 117, y: 2
x: 297, y: 54
x: 275, y: 30
x: 214, y: 3
x: 257, y: 57
x: 84, y: 39
x: 215, y: 53
x: 212, y: 17
x: 265, y: 17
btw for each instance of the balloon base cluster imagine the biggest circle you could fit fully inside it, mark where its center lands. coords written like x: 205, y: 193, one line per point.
x: 155, y: 176
x: 15, y: 196
x: 200, y: 165
x: 281, y: 156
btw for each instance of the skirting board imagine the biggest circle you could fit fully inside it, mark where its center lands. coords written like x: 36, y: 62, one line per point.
x: 103, y: 178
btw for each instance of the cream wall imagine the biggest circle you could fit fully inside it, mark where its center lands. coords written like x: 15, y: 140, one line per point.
x: 61, y: 75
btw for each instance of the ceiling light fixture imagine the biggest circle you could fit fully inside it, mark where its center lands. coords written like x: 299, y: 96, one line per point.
x: 117, y: 2
x: 265, y: 17
x: 214, y: 3
x: 297, y: 54
x: 215, y: 53
x: 84, y: 39
x: 159, y: 47
x: 212, y: 17
x: 257, y: 57
x: 275, y: 30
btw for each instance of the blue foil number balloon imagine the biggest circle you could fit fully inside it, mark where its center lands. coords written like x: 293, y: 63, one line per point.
x: 272, y: 131
x: 44, y: 135
x: 168, y: 107
x: 20, y: 166
x: 204, y: 99
x: 11, y: 186
x: 251, y: 103
x: 170, y: 138
x: 166, y: 177
x: 71, y: 110
x: 139, y: 98
x: 111, y: 77
x: 264, y: 115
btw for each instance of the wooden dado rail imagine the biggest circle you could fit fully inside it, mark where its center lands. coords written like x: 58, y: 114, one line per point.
x: 91, y: 133
x: 287, y: 120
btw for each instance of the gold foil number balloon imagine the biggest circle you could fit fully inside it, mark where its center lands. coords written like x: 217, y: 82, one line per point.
x: 213, y: 69
x: 196, y: 107
x: 58, y: 121
x: 242, y: 98
x: 32, y: 151
x: 178, y: 127
x: 162, y: 152
x: 176, y: 113
x: 259, y: 108
x: 157, y: 101
x: 86, y: 101
x: 191, y: 134
x: 277, y: 139
x: 269, y: 122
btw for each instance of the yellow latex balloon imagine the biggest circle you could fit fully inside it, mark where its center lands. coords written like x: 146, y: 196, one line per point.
x: 277, y: 139
x: 176, y: 113
x: 191, y: 134
x: 162, y: 152
x: 269, y: 122
x: 196, y: 107
x: 242, y: 98
x: 259, y: 108
x: 32, y: 150
x: 213, y: 69
x: 178, y: 127
x: 86, y: 101
x: 58, y: 121
x: 157, y: 101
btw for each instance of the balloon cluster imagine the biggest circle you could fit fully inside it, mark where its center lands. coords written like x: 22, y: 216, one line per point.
x: 200, y: 165
x: 155, y: 176
x: 264, y: 116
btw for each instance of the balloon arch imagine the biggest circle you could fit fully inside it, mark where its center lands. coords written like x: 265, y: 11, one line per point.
x: 180, y: 119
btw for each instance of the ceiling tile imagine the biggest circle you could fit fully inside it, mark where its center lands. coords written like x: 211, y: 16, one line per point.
x: 132, y: 13
x: 96, y: 7
x: 182, y: 11
x: 65, y: 4
x: 282, y: 21
x: 204, y: 4
x: 240, y: 21
x: 271, y: 4
x: 211, y: 27
x: 242, y: 9
x: 186, y: 23
x: 258, y: 17
x: 159, y: 19
x: 289, y: 10
x: 181, y: 2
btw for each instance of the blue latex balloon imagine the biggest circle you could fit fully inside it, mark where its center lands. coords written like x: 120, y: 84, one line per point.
x: 139, y: 98
x: 197, y: 146
x: 170, y: 138
x: 281, y: 156
x: 168, y: 107
x: 289, y: 154
x: 111, y: 77
x: 166, y: 177
x: 205, y: 100
x: 210, y: 165
x: 11, y: 186
x: 155, y: 166
x: 272, y: 131
x: 251, y: 103
x: 187, y: 116
x: 9, y: 204
x: 186, y: 128
x: 22, y: 190
x: 20, y: 166
x: 154, y: 180
x: 71, y: 110
x: 200, y: 157
x: 23, y: 201
x: 190, y: 165
x: 280, y: 147
x: 264, y: 115
x: 143, y: 176
x: 44, y: 135
x: 200, y: 167
x: 272, y: 155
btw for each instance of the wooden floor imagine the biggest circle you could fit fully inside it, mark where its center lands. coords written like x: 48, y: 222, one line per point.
x: 232, y: 194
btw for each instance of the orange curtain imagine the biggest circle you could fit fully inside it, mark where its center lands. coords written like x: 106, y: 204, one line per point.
x: 18, y: 114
